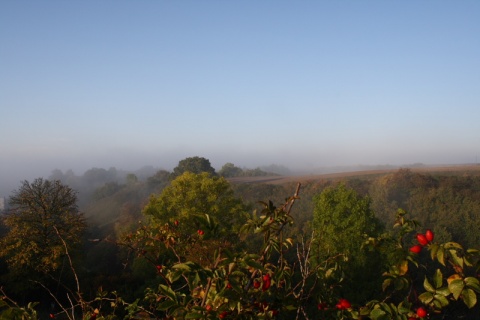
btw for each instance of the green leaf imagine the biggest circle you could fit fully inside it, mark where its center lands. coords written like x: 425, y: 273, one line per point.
x: 167, y: 291
x: 437, y: 304
x: 469, y: 298
x: 253, y: 264
x: 378, y: 314
x: 174, y: 275
x: 438, y: 279
x: 458, y: 261
x: 399, y: 284
x: 404, y: 307
x: 451, y: 245
x: 433, y: 250
x: 443, y: 301
x: 443, y: 291
x: 386, y: 283
x: 473, y: 283
x: 426, y: 297
x: 165, y: 305
x: 182, y: 266
x: 428, y: 286
x: 456, y: 287
x: 441, y: 255
x: 193, y: 315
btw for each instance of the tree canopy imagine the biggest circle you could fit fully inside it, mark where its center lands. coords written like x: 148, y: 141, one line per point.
x: 193, y: 165
x: 342, y: 218
x: 230, y: 170
x: 42, y: 219
x: 191, y: 196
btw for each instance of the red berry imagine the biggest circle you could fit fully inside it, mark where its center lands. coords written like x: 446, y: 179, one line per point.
x: 223, y: 314
x: 229, y: 286
x: 416, y: 249
x: 421, y: 312
x: 322, y: 306
x: 208, y: 308
x: 345, y: 303
x: 266, y: 283
x: 52, y: 316
x: 176, y: 223
x: 200, y: 232
x: 422, y: 239
x: 429, y: 235
x: 266, y: 277
x: 256, y: 284
x: 159, y: 268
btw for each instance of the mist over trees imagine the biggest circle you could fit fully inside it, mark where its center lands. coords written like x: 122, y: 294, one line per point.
x: 132, y: 220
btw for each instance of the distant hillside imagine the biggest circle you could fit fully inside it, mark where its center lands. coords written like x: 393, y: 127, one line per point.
x: 451, y: 169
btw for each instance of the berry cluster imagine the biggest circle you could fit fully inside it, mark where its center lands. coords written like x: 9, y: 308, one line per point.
x: 423, y: 240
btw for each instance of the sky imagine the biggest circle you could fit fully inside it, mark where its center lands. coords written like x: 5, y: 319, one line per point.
x: 304, y: 84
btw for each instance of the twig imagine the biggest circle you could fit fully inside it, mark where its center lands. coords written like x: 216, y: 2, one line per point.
x: 7, y: 298
x: 209, y: 283
x: 65, y: 310
x: 80, y: 299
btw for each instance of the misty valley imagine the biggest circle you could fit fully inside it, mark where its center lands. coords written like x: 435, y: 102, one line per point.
x: 238, y: 243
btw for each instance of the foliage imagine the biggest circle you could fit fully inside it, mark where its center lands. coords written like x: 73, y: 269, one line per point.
x: 449, y: 205
x: 159, y: 179
x: 190, y: 196
x: 42, y: 214
x: 9, y: 309
x: 343, y: 220
x: 433, y: 279
x: 194, y: 165
x: 229, y: 284
x: 196, y: 266
x: 229, y: 170
x: 131, y: 179
x: 106, y: 190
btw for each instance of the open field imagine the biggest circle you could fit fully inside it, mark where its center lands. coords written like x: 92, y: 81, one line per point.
x: 452, y: 169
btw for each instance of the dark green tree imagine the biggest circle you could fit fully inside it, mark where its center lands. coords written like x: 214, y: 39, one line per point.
x: 230, y: 170
x: 343, y: 221
x: 42, y: 219
x: 193, y: 165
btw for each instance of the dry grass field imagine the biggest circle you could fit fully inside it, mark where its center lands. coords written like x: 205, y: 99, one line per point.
x: 451, y: 169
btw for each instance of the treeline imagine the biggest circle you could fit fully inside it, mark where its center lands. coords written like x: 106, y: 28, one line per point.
x: 127, y: 214
x: 447, y: 203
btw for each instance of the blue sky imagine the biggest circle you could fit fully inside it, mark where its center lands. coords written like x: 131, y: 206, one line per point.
x: 303, y: 84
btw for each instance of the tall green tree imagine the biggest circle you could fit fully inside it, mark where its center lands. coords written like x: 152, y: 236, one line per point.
x: 342, y: 218
x: 42, y: 219
x: 342, y: 221
x: 193, y: 165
